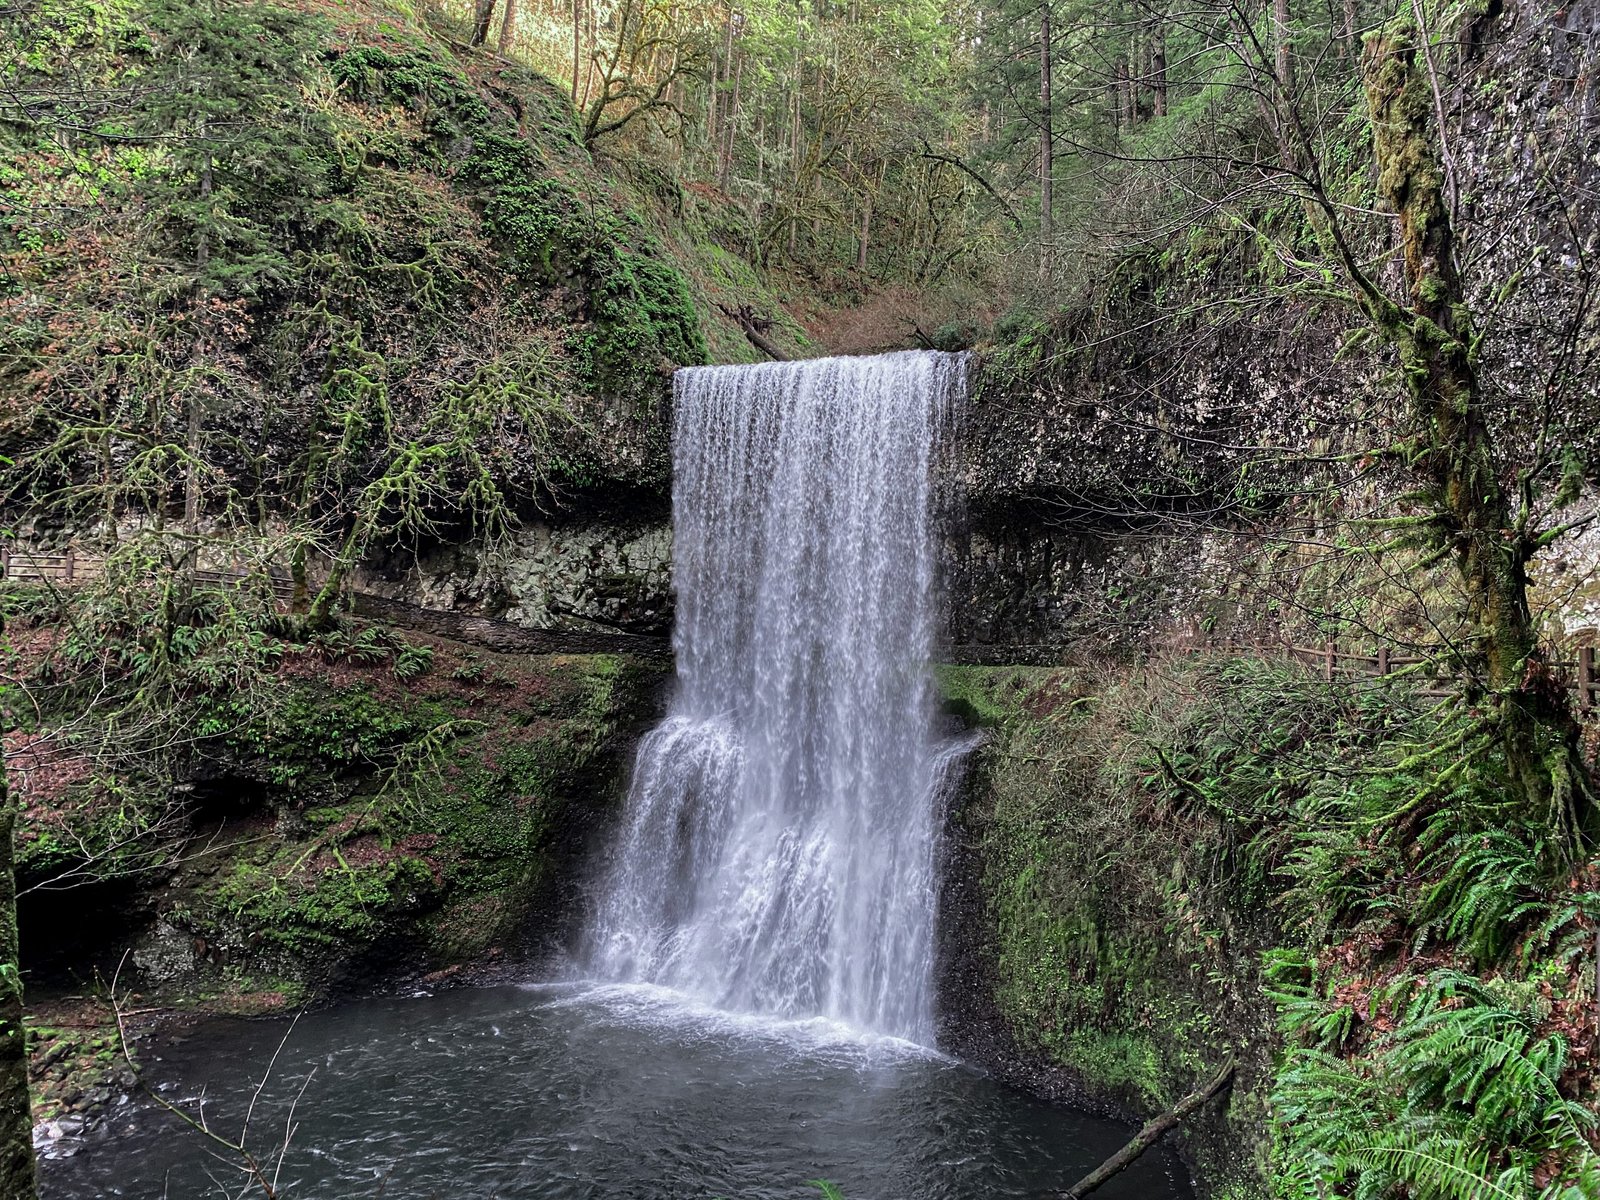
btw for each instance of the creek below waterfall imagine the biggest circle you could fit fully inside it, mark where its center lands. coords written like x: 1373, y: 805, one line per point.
x: 582, y: 1091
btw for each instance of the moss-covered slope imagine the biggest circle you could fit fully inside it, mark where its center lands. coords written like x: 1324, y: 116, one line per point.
x: 297, y: 249
x: 375, y: 806
x: 1214, y: 859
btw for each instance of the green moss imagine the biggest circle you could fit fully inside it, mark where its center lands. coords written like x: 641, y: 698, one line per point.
x: 989, y: 696
x: 418, y: 79
x: 636, y: 310
x: 1109, y: 954
x: 393, y: 210
x: 435, y: 815
x: 307, y: 906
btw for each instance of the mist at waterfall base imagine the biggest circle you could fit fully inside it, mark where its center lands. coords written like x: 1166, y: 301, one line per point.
x: 752, y: 1004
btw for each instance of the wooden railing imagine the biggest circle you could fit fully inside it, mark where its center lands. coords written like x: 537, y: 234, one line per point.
x: 1335, y: 662
x: 69, y: 568
x: 24, y: 566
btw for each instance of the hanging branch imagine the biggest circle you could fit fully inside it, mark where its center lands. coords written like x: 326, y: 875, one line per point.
x: 1011, y: 214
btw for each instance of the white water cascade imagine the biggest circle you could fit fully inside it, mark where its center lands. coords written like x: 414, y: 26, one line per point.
x: 778, y: 853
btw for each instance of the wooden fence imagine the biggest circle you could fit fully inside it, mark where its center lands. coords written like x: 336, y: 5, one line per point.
x: 71, y: 569
x: 1335, y: 662
x: 21, y: 566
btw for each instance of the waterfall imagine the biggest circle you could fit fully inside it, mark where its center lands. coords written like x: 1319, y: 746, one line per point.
x: 778, y: 852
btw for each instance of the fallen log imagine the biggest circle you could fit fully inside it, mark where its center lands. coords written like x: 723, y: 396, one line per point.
x: 755, y: 329
x: 1148, y: 1136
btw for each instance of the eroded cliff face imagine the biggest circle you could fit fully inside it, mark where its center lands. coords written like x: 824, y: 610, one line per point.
x: 602, y: 572
x: 1190, y: 438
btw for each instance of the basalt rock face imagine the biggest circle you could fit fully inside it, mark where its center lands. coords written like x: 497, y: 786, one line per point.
x: 604, y: 571
x: 1127, y: 463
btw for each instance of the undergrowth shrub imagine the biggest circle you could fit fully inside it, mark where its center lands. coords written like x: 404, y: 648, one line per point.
x: 1460, y: 1097
x: 1431, y: 944
x: 128, y: 687
x: 1433, y: 1000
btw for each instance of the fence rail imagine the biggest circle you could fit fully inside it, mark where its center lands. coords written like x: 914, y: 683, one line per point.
x: 72, y: 569
x: 1335, y: 662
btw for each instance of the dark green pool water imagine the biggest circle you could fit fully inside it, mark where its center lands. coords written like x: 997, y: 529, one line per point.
x: 576, y: 1091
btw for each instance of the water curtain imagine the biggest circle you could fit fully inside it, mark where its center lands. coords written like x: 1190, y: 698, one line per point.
x: 778, y: 852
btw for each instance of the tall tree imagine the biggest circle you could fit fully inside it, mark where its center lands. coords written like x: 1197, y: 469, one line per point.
x: 16, y: 1120
x: 508, y: 26
x: 482, y: 15
x: 1047, y: 149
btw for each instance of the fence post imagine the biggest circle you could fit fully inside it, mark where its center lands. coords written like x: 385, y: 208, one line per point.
x: 1383, y: 660
x: 1588, y: 686
x: 69, y: 566
x: 5, y: 562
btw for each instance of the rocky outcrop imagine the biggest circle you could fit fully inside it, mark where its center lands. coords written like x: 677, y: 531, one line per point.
x: 397, y: 811
x: 587, y: 573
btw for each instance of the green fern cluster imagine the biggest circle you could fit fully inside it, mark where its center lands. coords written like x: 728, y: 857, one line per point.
x: 1384, y: 829
x: 1459, y: 1101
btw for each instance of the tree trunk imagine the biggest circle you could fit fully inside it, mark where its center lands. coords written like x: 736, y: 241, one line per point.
x: 730, y: 128
x: 480, y: 21
x: 1280, y: 38
x: 761, y: 150
x: 191, y: 479
x: 108, y: 474
x: 592, y: 24
x: 1158, y: 67
x: 577, y: 46
x: 1151, y: 1133
x: 1136, y: 73
x: 1475, y: 519
x: 508, y: 27
x: 196, y: 415
x: 719, y: 76
x: 866, y: 231
x: 16, y: 1118
x: 1047, y: 146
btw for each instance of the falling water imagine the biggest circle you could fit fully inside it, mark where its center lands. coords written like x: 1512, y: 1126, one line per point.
x: 778, y: 852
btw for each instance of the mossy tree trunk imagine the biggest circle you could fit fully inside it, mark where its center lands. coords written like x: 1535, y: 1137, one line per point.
x: 16, y: 1117
x: 482, y: 14
x: 1473, y: 514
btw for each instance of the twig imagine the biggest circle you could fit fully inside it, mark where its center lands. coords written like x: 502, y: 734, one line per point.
x: 255, y: 1174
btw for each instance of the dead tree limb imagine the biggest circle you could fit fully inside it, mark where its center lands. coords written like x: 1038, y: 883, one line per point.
x: 755, y: 329
x: 1149, y: 1135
